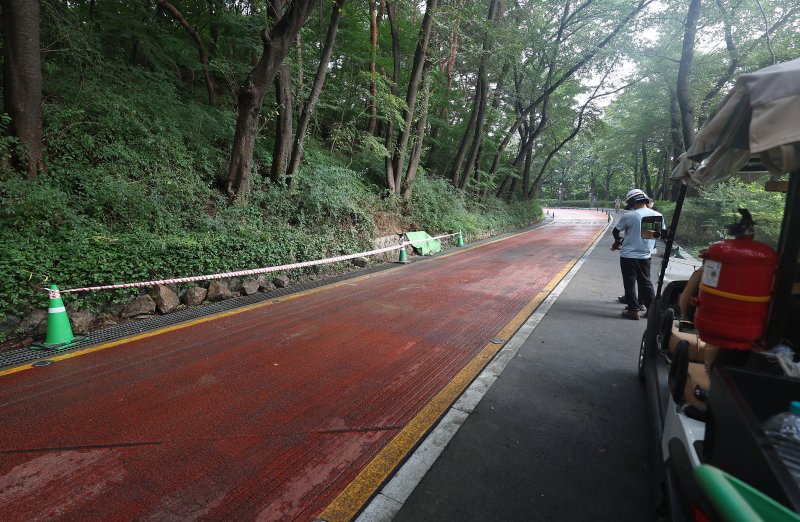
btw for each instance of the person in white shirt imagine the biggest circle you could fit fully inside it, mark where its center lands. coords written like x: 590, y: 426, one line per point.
x: 635, y: 250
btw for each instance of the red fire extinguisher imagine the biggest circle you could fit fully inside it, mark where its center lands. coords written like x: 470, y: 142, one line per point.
x: 736, y: 288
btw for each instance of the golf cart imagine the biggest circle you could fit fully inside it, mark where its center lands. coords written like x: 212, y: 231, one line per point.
x: 706, y: 358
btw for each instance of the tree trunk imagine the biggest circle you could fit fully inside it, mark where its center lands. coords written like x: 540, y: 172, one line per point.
x: 646, y: 171
x: 422, y: 122
x: 298, y: 53
x: 733, y: 53
x: 373, y: 90
x: 684, y: 70
x: 251, y: 94
x: 446, y: 67
x: 473, y: 133
x: 283, y: 125
x: 526, y: 153
x: 665, y: 174
x: 22, y: 73
x: 391, y: 13
x: 526, y: 175
x: 511, y: 190
x: 398, y: 161
x: 214, y: 8
x: 173, y: 11
x: 503, y: 186
x: 675, y: 127
x: 316, y: 89
x: 483, y: 83
x: 538, y: 181
x: 458, y: 162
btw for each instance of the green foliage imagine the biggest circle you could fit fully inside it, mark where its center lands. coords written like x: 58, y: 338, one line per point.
x: 704, y: 217
x: 9, y: 147
x: 438, y: 207
x: 349, y: 139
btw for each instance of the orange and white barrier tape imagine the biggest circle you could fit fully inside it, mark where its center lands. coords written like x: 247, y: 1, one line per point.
x: 255, y: 271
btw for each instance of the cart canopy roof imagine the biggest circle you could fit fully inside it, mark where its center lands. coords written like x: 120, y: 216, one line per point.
x: 759, y: 121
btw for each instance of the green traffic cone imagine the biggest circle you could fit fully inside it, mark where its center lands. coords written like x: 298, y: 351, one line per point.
x: 59, y: 332
x: 403, y: 258
x: 460, y: 239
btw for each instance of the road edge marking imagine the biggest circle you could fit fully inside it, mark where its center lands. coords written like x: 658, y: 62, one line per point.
x: 361, y: 490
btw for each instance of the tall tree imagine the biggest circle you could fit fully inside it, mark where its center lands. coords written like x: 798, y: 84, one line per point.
x: 276, y: 43
x: 674, y: 126
x: 446, y: 67
x: 398, y: 159
x: 195, y: 34
x: 373, y: 87
x: 391, y: 14
x: 646, y: 171
x: 687, y: 56
x: 316, y: 89
x: 283, y: 125
x: 563, y: 77
x: 422, y: 124
x: 22, y: 74
x: 473, y: 134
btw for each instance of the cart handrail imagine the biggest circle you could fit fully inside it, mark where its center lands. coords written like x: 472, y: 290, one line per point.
x: 738, y: 502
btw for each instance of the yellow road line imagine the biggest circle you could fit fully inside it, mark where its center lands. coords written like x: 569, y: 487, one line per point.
x: 353, y: 498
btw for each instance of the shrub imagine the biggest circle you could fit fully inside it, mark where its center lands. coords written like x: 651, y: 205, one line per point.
x: 704, y: 216
x: 437, y: 207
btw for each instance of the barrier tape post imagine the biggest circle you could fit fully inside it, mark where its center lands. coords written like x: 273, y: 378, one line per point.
x: 59, y: 331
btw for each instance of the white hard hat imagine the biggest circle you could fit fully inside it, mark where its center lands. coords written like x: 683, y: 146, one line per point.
x: 635, y: 196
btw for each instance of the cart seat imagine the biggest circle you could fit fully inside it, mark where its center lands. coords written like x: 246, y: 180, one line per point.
x: 697, y: 347
x: 689, y: 383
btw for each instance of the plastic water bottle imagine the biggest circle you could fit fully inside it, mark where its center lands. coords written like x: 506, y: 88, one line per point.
x: 783, y: 432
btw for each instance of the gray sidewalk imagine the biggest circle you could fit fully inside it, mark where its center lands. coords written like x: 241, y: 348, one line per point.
x: 562, y: 434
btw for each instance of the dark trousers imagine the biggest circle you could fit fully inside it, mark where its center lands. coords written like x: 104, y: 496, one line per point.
x: 636, y: 272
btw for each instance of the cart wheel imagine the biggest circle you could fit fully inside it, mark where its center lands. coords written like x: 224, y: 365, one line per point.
x: 642, y: 352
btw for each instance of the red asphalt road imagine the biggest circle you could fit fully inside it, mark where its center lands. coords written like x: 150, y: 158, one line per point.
x: 269, y: 413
